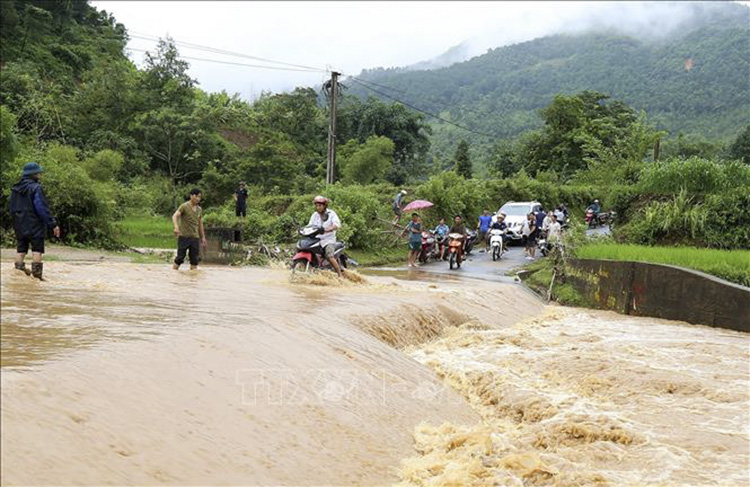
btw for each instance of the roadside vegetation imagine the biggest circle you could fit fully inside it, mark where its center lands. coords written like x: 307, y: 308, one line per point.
x: 122, y: 146
x: 733, y: 265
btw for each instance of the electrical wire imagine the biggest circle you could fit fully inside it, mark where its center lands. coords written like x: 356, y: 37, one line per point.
x: 200, y: 47
x: 426, y: 99
x: 420, y: 110
x: 280, y: 68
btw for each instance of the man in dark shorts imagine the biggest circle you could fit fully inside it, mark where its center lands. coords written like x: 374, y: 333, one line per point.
x: 397, y: 205
x: 31, y: 219
x: 531, y: 237
x: 188, y: 226
x: 414, y: 227
x: 240, y: 200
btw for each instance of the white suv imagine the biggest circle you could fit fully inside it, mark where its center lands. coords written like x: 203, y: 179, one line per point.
x: 515, y: 215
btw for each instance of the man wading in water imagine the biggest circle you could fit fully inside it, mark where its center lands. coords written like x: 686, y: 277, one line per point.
x: 188, y: 226
x: 30, y: 217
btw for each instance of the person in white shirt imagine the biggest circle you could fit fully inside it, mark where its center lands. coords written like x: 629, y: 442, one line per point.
x: 547, y: 220
x: 554, y: 229
x: 329, y: 220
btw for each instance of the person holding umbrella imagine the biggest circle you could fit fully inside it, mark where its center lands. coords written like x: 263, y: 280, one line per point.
x: 414, y: 227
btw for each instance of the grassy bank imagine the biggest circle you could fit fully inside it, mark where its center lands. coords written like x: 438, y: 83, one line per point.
x: 146, y: 231
x: 540, y: 278
x: 156, y: 232
x: 732, y: 265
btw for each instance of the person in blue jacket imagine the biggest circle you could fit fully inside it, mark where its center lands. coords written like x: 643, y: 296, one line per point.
x: 31, y: 219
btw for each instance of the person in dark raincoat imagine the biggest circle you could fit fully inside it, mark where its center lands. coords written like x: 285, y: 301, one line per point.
x: 31, y: 219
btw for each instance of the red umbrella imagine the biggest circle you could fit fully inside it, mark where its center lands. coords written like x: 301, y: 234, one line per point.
x: 417, y: 205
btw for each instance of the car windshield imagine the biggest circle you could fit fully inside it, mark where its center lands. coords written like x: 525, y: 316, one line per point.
x: 515, y: 210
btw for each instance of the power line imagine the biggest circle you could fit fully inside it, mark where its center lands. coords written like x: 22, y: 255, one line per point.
x: 200, y: 47
x: 426, y: 99
x: 420, y: 110
x: 281, y: 68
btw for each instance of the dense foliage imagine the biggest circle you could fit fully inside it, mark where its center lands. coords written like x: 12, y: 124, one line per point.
x: 117, y: 141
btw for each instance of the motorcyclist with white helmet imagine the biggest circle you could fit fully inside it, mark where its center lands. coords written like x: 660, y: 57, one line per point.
x: 329, y: 220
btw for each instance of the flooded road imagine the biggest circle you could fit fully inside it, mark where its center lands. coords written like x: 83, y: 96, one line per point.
x: 138, y: 375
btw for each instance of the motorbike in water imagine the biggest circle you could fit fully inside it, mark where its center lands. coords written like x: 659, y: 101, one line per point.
x: 497, y: 243
x: 470, y: 241
x: 455, y: 250
x: 310, y: 254
x: 429, y: 248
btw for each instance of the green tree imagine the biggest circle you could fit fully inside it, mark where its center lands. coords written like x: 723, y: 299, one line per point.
x: 165, y: 78
x: 407, y: 129
x: 740, y: 148
x: 368, y: 162
x: 9, y: 145
x: 462, y: 161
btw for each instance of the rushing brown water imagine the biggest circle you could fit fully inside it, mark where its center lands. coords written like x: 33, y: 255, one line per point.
x: 590, y: 398
x: 138, y: 375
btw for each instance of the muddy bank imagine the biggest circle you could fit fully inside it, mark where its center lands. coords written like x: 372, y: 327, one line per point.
x: 125, y: 374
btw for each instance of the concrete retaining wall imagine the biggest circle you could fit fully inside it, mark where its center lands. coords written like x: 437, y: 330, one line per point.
x: 662, y: 291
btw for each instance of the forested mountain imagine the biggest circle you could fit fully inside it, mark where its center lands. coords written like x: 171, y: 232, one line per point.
x: 694, y: 81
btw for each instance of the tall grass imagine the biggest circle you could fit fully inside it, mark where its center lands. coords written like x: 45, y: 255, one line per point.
x: 145, y: 231
x: 732, y: 265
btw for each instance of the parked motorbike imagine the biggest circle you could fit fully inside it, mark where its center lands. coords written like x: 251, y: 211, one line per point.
x: 441, y: 245
x: 497, y: 243
x: 543, y: 244
x: 606, y: 218
x: 591, y: 220
x: 470, y: 241
x: 429, y: 248
x: 310, y: 254
x: 455, y: 249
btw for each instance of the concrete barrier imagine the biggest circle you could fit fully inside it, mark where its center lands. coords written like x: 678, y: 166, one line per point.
x: 223, y: 245
x: 661, y: 291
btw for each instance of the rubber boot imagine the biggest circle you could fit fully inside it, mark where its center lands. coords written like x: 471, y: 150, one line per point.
x: 21, y: 266
x: 36, y: 270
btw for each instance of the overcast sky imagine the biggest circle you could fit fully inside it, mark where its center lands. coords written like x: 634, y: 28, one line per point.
x: 350, y: 36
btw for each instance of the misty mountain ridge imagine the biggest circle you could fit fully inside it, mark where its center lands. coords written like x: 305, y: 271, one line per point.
x: 646, y: 22
x: 694, y: 80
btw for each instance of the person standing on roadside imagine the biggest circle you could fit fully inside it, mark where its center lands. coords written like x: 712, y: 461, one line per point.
x: 397, y: 205
x: 240, y: 200
x: 483, y: 226
x: 188, y: 226
x: 414, y: 227
x: 531, y: 231
x: 31, y: 219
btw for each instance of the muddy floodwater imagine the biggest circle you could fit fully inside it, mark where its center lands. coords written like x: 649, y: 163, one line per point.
x: 125, y: 374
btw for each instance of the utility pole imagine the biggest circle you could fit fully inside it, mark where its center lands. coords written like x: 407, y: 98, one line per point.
x: 332, y: 128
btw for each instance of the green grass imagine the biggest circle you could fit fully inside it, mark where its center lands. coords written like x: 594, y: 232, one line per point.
x: 540, y: 280
x: 732, y: 265
x: 146, y: 231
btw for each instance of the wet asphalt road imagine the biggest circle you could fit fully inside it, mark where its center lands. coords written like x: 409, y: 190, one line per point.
x: 478, y: 265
